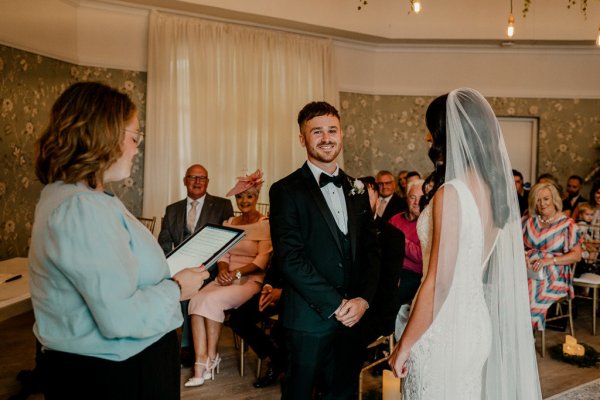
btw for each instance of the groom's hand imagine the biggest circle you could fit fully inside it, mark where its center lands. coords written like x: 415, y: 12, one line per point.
x: 352, y: 311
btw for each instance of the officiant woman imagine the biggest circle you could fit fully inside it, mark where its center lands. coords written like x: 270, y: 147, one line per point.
x: 105, y: 307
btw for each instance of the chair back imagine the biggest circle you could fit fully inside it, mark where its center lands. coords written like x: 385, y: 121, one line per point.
x: 263, y: 208
x: 591, y: 245
x: 148, y: 223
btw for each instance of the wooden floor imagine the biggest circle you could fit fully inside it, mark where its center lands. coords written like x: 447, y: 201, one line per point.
x: 17, y: 353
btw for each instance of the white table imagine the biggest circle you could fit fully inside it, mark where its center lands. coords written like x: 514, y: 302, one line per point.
x: 14, y: 296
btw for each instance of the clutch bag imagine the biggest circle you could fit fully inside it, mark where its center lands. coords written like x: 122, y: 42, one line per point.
x: 537, y: 275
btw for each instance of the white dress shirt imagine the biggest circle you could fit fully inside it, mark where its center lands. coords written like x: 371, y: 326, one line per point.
x: 334, y: 196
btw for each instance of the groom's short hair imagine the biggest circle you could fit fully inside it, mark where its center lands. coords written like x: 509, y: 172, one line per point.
x: 316, y: 109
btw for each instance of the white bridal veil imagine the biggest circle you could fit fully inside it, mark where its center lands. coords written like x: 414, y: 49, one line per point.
x: 477, y: 156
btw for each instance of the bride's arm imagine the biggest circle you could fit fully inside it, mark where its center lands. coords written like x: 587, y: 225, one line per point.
x: 422, y: 312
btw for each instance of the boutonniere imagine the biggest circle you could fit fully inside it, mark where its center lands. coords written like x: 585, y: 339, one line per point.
x: 357, y: 187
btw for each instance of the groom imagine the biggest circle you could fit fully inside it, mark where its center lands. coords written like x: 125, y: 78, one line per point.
x: 324, y: 240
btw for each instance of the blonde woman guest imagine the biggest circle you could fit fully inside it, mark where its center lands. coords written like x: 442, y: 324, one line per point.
x: 105, y: 308
x: 241, y: 273
x: 552, y: 242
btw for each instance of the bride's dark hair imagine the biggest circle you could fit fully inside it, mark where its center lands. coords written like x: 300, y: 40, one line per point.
x: 435, y: 119
x: 486, y: 157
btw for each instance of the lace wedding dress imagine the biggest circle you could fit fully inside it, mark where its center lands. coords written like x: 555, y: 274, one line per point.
x: 478, y: 344
x: 462, y: 323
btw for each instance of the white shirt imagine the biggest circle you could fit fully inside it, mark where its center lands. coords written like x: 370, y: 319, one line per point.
x: 334, y: 196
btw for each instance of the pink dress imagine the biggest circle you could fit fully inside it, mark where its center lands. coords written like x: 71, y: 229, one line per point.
x: 212, y: 300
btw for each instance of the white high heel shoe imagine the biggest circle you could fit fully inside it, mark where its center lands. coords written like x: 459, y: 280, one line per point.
x: 215, y: 364
x: 199, y: 380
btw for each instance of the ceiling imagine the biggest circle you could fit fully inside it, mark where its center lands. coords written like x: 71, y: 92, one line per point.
x: 548, y: 22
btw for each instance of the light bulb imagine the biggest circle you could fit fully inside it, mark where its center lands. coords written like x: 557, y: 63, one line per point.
x: 510, y: 30
x: 417, y: 6
x: 598, y: 38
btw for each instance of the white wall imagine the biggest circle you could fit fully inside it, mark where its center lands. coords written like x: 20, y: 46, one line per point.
x: 99, y: 34
x: 432, y: 70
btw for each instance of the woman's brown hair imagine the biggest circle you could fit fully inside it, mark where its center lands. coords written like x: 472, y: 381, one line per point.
x: 84, y: 135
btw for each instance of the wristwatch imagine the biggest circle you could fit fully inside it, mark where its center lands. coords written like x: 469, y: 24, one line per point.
x: 238, y: 275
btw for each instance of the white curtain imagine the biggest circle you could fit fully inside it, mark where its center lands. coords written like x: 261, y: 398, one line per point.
x: 227, y: 97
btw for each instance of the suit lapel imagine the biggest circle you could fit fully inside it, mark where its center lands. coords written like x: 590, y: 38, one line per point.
x: 346, y: 185
x: 205, y: 212
x: 180, y: 219
x: 315, y: 191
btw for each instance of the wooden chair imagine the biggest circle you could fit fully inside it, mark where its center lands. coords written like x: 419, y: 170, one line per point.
x: 263, y: 208
x: 382, y: 339
x: 241, y: 346
x: 560, y: 314
x: 590, y: 281
x: 148, y: 223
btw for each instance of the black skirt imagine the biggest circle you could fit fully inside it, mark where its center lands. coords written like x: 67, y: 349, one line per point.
x: 154, y: 373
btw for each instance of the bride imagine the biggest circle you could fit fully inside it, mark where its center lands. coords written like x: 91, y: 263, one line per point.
x: 469, y: 334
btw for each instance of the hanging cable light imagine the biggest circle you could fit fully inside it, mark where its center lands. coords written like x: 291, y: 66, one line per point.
x: 416, y: 6
x: 510, y: 30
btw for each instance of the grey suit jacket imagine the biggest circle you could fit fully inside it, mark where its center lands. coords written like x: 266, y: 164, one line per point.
x: 214, y: 211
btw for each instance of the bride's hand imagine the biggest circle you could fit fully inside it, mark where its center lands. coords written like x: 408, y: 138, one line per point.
x: 397, y: 361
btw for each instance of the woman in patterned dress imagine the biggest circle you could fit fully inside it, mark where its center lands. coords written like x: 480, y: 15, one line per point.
x: 552, y: 242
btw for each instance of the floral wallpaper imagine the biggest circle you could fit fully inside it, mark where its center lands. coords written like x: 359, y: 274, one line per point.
x: 388, y: 132
x: 381, y: 132
x: 29, y: 84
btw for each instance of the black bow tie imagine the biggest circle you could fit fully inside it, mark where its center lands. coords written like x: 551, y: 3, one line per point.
x: 324, y: 179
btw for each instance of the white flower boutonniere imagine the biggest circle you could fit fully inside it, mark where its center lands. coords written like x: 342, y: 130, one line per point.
x: 357, y: 187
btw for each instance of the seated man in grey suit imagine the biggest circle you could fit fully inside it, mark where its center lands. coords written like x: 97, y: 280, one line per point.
x: 181, y: 219
x: 388, y: 203
x: 187, y: 216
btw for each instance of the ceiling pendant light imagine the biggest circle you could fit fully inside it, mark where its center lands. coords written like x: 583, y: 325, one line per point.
x: 598, y: 38
x: 416, y: 6
x: 510, y: 30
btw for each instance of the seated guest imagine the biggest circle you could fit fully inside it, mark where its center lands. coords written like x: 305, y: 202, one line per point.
x: 105, y: 307
x: 186, y: 216
x: 380, y: 317
x: 183, y: 218
x: 245, y: 318
x: 594, y: 202
x: 389, y: 203
x: 552, y: 242
x: 590, y: 233
x: 522, y: 194
x: 401, y: 184
x: 549, y: 178
x: 371, y: 185
x: 412, y: 176
x: 573, y: 197
x: 240, y: 276
x: 412, y: 269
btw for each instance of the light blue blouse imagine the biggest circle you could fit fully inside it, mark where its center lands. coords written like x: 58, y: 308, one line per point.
x: 98, y: 278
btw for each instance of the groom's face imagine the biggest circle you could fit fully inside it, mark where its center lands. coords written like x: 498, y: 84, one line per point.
x: 322, y: 137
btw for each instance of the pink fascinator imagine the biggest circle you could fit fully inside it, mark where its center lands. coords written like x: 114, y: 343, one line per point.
x: 244, y: 183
